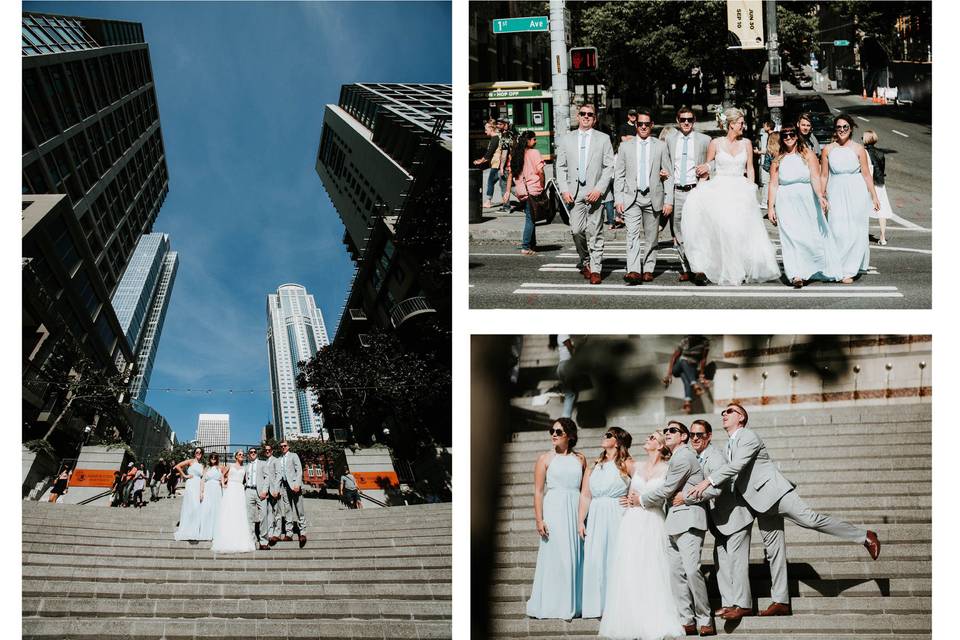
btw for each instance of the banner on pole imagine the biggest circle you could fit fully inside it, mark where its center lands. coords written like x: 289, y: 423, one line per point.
x: 745, y: 24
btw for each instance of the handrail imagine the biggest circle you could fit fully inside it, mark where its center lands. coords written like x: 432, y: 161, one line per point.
x: 96, y: 497
x: 371, y: 499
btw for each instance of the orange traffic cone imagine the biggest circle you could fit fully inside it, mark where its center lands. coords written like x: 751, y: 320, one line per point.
x: 864, y: 94
x: 876, y: 100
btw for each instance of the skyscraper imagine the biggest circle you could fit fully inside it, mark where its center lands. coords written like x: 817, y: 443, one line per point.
x: 377, y: 143
x: 295, y: 332
x: 90, y: 133
x: 213, y: 432
x: 141, y: 301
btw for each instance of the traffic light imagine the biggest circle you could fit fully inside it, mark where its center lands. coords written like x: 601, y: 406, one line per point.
x: 583, y: 59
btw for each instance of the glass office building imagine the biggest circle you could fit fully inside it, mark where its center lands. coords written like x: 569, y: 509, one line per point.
x: 295, y: 332
x: 141, y: 302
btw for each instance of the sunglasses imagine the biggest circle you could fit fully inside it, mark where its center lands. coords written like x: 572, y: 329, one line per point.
x: 651, y: 437
x: 690, y: 119
x: 609, y: 435
x: 842, y: 127
x: 696, y: 435
x: 586, y: 114
x: 672, y: 430
x: 729, y: 411
x: 787, y: 136
x: 556, y: 432
x: 644, y: 123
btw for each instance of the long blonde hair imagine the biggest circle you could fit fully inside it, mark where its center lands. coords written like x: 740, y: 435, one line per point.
x: 624, y: 440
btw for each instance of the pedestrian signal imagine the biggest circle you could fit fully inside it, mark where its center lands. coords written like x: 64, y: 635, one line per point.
x: 583, y: 59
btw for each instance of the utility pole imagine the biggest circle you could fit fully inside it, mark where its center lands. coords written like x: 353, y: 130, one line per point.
x: 558, y: 68
x: 773, y: 57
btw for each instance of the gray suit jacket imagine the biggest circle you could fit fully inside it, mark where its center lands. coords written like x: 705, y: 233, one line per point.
x: 263, y: 475
x: 701, y: 142
x: 599, y: 170
x: 756, y: 476
x: 683, y: 473
x: 274, y: 474
x: 291, y: 470
x: 625, y: 173
x: 727, y: 509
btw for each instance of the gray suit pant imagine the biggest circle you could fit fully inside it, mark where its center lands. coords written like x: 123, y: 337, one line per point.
x: 676, y: 219
x: 731, y: 555
x: 293, y: 509
x: 640, y: 215
x: 276, y: 507
x: 586, y: 226
x: 689, y: 585
x: 792, y: 507
x: 258, y: 513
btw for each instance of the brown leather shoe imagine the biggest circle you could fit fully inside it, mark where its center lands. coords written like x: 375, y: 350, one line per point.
x: 273, y: 540
x: 777, y: 609
x: 264, y: 547
x: 690, y: 629
x: 594, y: 278
x: 735, y: 613
x: 700, y: 279
x: 585, y: 272
x: 647, y: 276
x: 286, y: 538
x: 684, y: 276
x: 632, y: 278
x: 303, y: 541
x: 872, y: 544
x: 722, y: 611
x: 708, y: 630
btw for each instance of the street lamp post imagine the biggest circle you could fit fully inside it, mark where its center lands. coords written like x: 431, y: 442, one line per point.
x: 558, y: 68
x: 773, y: 57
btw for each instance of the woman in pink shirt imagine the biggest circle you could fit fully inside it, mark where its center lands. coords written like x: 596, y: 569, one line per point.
x: 526, y: 171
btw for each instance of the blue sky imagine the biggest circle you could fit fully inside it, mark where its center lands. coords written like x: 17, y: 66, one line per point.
x: 241, y: 87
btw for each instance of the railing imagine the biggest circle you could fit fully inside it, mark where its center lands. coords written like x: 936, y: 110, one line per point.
x: 373, y: 500
x: 409, y: 308
x: 96, y: 497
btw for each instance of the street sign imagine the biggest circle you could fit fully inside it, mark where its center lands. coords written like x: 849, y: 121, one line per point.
x: 521, y: 25
x: 745, y: 24
x: 841, y: 43
x: 583, y: 59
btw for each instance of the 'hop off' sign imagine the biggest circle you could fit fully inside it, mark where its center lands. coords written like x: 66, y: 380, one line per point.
x: 92, y: 478
x: 745, y: 23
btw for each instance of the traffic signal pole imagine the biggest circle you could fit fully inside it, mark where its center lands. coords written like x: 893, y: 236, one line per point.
x: 773, y: 56
x: 558, y: 68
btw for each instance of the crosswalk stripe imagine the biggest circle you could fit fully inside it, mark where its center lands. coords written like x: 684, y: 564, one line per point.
x: 706, y: 293
x: 712, y: 287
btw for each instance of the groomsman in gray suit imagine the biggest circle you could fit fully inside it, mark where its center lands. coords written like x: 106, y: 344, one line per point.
x: 731, y: 523
x: 256, y: 481
x: 639, y: 195
x: 291, y: 493
x: 274, y: 505
x: 757, y: 479
x: 688, y: 151
x: 686, y: 527
x: 584, y: 169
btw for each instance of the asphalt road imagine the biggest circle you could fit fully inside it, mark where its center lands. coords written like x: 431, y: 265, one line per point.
x: 899, y: 278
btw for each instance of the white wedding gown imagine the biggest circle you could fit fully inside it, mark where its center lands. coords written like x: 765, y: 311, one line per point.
x: 724, y: 236
x: 232, y: 532
x: 640, y: 601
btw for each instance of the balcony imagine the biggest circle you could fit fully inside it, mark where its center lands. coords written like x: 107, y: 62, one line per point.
x: 409, y: 308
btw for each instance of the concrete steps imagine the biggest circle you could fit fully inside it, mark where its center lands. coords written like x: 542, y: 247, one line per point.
x: 97, y: 572
x: 868, y: 465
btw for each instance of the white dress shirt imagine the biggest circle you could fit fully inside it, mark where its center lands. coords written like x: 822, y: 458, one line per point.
x: 643, y: 146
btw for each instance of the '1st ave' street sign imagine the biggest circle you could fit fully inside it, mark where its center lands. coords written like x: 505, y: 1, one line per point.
x: 520, y: 25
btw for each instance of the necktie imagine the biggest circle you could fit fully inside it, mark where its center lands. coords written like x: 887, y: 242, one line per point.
x: 642, y: 177
x: 582, y: 165
x: 729, y: 443
x: 683, y: 162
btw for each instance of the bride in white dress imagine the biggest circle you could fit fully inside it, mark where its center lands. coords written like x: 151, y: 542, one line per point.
x: 724, y: 236
x: 640, y: 601
x: 232, y: 531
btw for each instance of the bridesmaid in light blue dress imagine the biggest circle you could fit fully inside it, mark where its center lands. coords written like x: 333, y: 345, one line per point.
x: 605, y: 484
x: 845, y: 169
x: 211, y: 494
x: 559, y: 574
x: 796, y: 205
x: 191, y: 470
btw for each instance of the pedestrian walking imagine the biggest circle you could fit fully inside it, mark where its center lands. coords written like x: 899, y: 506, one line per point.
x: 160, y: 470
x: 128, y: 484
x: 349, y: 492
x: 60, y: 484
x: 527, y: 177
x: 805, y: 125
x: 139, y: 483
x: 490, y: 161
x: 878, y: 165
x: 767, y: 150
x: 116, y: 498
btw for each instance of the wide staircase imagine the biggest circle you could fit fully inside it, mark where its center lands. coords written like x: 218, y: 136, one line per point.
x: 870, y: 466
x: 96, y: 572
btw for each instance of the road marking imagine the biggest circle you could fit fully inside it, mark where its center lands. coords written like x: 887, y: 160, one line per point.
x: 500, y: 254
x: 720, y: 288
x: 899, y: 133
x: 888, y: 248
x: 906, y: 223
x: 644, y: 291
x: 864, y: 119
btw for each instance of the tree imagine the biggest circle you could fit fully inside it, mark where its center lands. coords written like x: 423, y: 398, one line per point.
x: 368, y: 389
x: 92, y: 392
